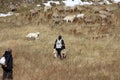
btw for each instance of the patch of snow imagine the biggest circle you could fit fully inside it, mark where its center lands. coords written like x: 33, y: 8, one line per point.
x: 48, y: 3
x: 76, y: 2
x: 71, y: 3
x: 86, y: 3
x: 56, y: 2
x: 116, y: 1
x: 5, y: 15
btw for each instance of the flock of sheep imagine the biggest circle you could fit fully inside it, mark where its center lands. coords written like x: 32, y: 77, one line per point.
x: 60, y: 14
x: 69, y: 14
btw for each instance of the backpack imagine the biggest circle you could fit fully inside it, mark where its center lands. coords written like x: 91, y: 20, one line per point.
x: 59, y: 43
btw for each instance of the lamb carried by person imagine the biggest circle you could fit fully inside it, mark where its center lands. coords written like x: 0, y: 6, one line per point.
x: 2, y: 60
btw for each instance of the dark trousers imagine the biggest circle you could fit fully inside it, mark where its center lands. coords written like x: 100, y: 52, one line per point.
x: 59, y: 52
x: 7, y: 75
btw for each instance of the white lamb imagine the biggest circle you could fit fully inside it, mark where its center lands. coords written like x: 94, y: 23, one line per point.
x: 33, y: 35
x: 55, y: 53
x: 69, y: 18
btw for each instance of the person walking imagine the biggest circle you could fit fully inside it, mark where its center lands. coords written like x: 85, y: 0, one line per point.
x: 8, y: 66
x: 59, y: 45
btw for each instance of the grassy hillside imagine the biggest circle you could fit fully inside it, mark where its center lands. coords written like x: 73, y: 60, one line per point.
x: 87, y: 59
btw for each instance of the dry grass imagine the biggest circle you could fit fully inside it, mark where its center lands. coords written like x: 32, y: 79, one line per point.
x: 87, y: 59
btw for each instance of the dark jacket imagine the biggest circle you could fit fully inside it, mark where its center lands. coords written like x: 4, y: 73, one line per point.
x: 9, y: 61
x: 63, y: 44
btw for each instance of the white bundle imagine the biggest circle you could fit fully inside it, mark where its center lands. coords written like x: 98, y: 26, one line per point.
x: 2, y: 60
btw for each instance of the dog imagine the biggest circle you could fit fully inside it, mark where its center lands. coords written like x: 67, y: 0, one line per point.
x: 63, y: 54
x: 55, y: 53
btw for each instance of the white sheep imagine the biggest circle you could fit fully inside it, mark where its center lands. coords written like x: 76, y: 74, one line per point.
x: 80, y: 15
x: 34, y: 35
x: 69, y: 18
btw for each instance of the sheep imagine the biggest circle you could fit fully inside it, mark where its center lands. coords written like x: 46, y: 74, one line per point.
x: 79, y: 9
x: 56, y: 18
x: 33, y: 36
x: 103, y: 16
x: 79, y: 18
x: 47, y: 8
x: 105, y: 13
x: 105, y: 20
x: 57, y: 21
x: 96, y: 9
x: 38, y: 9
x: 55, y: 15
x: 49, y: 15
x: 60, y: 9
x: 89, y: 20
x: 12, y: 8
x: 69, y: 18
x: 67, y: 9
x: 73, y: 8
x: 109, y: 9
x: 80, y: 15
x: 33, y: 12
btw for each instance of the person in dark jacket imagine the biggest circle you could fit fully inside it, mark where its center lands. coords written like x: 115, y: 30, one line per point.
x: 7, y: 68
x: 59, y: 45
